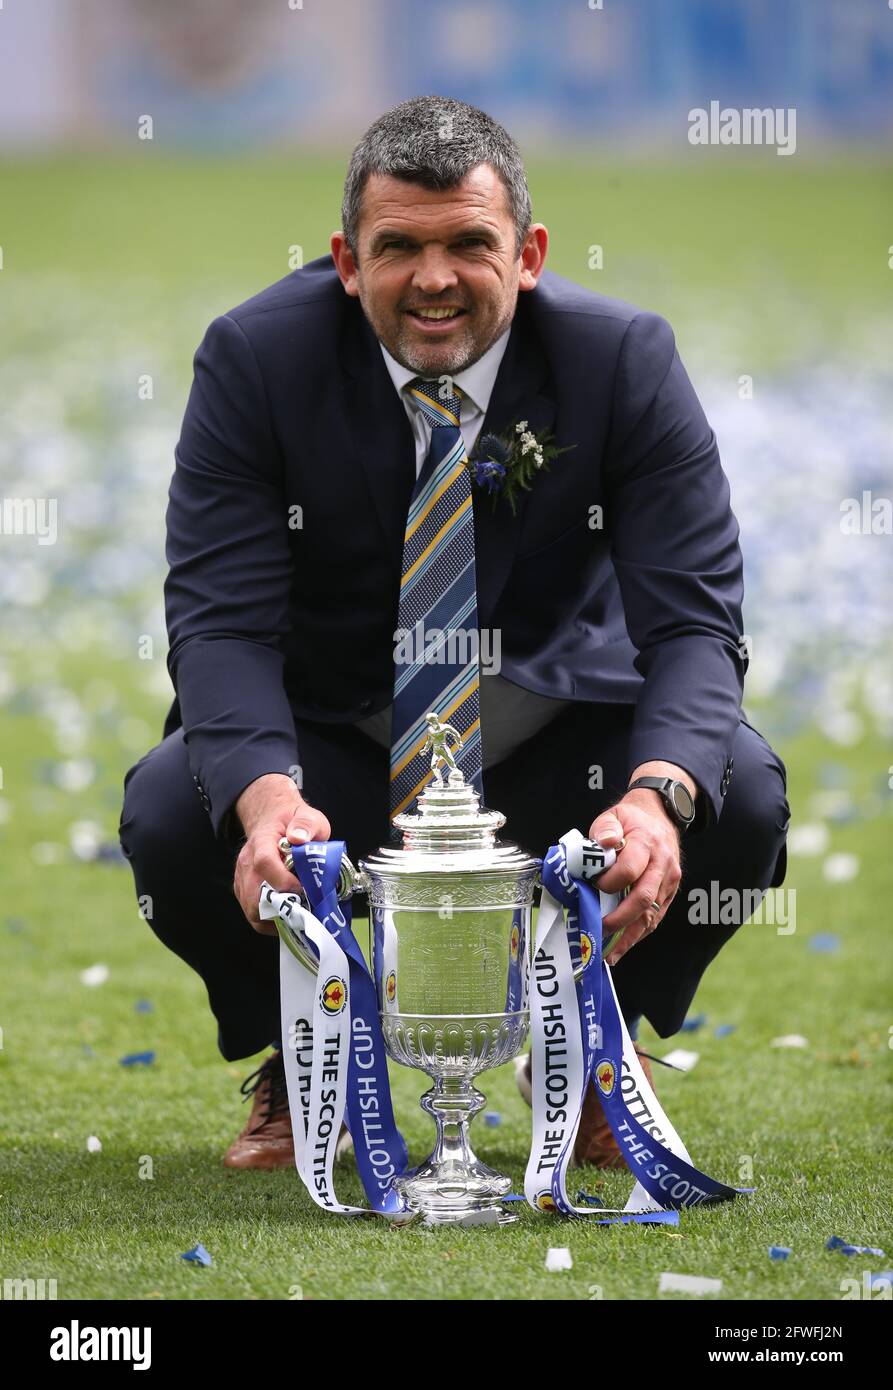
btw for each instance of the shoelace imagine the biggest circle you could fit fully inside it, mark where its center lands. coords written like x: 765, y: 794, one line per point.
x: 272, y: 1070
x: 660, y: 1061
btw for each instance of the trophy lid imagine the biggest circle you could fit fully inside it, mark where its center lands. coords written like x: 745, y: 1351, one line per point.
x: 448, y: 829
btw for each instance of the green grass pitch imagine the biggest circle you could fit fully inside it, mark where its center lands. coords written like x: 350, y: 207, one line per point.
x: 761, y: 265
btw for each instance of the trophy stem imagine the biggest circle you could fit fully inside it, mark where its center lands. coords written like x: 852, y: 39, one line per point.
x: 452, y: 1183
x: 452, y: 1103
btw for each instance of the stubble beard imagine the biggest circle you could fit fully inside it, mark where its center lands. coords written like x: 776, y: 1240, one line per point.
x: 440, y: 359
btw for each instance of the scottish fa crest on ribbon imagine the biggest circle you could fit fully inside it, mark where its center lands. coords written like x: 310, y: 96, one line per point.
x: 333, y: 995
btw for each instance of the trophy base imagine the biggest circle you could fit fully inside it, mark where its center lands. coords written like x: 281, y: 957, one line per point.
x: 452, y: 1185
x: 445, y: 1193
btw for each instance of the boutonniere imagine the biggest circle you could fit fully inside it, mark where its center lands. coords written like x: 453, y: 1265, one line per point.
x: 506, y: 464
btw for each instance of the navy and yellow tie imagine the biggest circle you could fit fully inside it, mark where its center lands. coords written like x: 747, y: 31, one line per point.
x: 438, y: 669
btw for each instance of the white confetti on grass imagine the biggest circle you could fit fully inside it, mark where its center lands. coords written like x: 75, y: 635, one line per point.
x: 94, y: 975
x: 840, y: 868
x: 687, y: 1283
x: 681, y: 1058
x: 94, y: 1145
x: 790, y: 1040
x: 558, y: 1258
x: 809, y: 839
x: 841, y: 726
x: 74, y: 774
x: 85, y: 838
x: 813, y: 592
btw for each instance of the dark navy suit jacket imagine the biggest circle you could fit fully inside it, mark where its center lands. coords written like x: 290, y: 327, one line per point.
x: 292, y: 407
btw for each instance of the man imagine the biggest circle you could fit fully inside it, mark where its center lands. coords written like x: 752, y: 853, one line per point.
x: 322, y: 508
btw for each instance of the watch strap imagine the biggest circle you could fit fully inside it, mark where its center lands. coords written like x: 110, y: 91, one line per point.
x: 663, y: 785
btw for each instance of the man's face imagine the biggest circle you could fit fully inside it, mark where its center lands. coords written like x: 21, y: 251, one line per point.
x: 438, y: 271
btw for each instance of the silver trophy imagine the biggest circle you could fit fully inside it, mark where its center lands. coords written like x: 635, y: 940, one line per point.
x: 450, y: 916
x: 450, y: 927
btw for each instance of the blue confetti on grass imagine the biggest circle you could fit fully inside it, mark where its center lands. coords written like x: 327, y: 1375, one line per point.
x: 492, y: 1118
x: 843, y: 1248
x: 590, y: 1201
x: 198, y: 1255
x: 137, y: 1059
x: 110, y: 853
x: 834, y: 775
x: 693, y: 1023
x: 144, y: 1006
x: 779, y: 1252
x: 825, y: 942
x: 722, y: 1030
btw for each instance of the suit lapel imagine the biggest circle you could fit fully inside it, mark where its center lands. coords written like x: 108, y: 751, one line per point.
x: 518, y: 394
x: 381, y: 432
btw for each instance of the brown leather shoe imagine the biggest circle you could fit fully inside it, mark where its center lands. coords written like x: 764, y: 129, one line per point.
x: 266, y: 1140
x: 595, y: 1145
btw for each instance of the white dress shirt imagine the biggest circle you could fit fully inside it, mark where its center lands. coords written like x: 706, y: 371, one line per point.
x: 476, y: 384
x: 509, y: 714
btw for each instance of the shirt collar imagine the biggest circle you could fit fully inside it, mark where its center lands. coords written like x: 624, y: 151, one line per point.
x: 476, y: 381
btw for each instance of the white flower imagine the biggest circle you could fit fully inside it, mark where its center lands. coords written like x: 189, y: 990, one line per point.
x: 521, y: 427
x: 526, y: 447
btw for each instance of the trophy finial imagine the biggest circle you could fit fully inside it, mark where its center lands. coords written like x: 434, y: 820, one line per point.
x: 438, y: 741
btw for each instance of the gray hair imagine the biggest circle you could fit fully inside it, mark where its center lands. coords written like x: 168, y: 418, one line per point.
x: 435, y: 141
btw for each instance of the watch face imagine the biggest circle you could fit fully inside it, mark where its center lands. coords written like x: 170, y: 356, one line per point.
x: 685, y: 807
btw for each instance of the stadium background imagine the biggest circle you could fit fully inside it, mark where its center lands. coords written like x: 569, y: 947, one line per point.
x: 117, y: 250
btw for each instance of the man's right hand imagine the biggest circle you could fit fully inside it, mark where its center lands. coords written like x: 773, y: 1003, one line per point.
x: 269, y: 809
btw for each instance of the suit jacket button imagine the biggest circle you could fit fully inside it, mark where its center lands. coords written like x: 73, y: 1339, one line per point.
x: 365, y: 705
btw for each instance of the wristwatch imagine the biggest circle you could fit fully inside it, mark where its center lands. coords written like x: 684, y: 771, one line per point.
x: 675, y: 796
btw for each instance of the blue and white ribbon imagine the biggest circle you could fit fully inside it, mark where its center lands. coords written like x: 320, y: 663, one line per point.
x: 579, y: 1036
x: 333, y: 1051
x: 336, y: 1067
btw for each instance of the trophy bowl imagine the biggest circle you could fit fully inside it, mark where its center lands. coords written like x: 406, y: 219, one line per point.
x: 450, y: 918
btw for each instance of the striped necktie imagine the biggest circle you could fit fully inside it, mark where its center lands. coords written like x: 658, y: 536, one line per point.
x: 437, y: 592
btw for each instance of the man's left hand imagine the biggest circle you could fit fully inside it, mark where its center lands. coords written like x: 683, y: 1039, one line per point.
x: 649, y: 862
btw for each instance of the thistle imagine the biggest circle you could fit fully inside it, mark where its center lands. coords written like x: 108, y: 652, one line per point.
x: 504, y: 465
